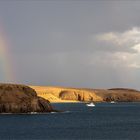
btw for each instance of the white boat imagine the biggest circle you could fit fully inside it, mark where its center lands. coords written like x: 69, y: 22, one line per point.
x: 33, y: 112
x: 91, y: 104
x: 112, y: 102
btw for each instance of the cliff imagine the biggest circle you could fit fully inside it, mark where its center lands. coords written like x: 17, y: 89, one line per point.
x: 119, y: 95
x: 21, y: 99
x: 61, y: 94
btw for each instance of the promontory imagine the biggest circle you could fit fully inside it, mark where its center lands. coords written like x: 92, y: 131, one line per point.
x: 21, y: 99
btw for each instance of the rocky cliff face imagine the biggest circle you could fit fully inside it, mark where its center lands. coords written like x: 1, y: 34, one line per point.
x: 102, y: 95
x: 79, y: 95
x: 119, y: 95
x: 21, y: 99
x: 97, y: 95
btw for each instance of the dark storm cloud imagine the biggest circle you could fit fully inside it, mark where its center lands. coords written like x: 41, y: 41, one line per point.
x: 64, y: 26
x: 63, y: 43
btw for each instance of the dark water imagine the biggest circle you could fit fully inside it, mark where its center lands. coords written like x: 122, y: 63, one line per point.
x: 103, y: 122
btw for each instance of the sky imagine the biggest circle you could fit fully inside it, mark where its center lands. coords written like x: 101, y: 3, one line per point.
x: 91, y: 44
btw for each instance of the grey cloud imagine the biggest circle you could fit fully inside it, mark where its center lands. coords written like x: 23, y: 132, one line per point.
x: 54, y: 43
x: 33, y: 24
x: 117, y: 41
x: 63, y: 70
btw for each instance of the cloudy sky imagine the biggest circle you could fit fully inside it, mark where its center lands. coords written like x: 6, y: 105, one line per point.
x: 92, y: 44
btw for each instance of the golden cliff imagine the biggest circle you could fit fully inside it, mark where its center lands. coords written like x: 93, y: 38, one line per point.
x: 61, y: 94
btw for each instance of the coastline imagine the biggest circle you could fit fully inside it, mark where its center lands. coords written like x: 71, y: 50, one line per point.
x: 75, y: 95
x: 65, y: 101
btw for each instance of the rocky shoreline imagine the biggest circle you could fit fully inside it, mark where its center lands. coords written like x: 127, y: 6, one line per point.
x: 22, y: 99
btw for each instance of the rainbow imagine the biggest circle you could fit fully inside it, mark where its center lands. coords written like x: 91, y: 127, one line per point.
x: 6, y: 69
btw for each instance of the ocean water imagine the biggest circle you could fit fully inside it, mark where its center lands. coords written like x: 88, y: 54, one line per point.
x: 120, y: 121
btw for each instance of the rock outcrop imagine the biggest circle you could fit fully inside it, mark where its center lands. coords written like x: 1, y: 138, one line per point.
x: 119, y: 95
x: 21, y: 99
x: 78, y: 95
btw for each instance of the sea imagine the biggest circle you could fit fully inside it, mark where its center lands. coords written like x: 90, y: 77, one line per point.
x: 105, y: 121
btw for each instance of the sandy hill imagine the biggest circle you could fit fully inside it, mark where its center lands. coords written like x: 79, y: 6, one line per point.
x: 61, y: 94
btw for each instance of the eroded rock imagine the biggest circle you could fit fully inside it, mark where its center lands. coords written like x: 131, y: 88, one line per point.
x: 21, y: 99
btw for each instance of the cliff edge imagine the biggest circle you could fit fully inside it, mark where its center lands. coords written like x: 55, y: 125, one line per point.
x: 21, y: 99
x: 62, y: 94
